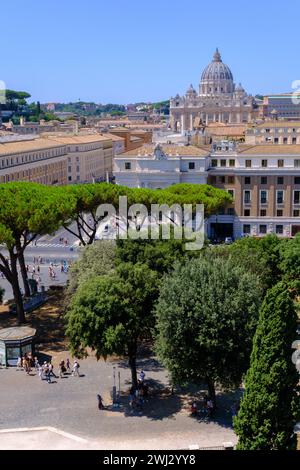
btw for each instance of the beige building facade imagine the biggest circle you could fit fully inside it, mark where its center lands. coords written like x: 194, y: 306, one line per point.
x: 57, y: 160
x: 273, y: 132
x: 264, y: 181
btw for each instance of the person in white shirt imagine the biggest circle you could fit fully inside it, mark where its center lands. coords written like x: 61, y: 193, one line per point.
x: 75, y: 369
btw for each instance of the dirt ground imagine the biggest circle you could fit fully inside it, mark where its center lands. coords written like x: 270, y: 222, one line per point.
x: 48, y: 320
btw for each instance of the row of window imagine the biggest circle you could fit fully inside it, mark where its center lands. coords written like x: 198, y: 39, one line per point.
x: 286, y: 129
x: 264, y: 180
x: 128, y: 165
x: 248, y: 163
x: 32, y: 157
x: 284, y: 140
x: 262, y: 229
x: 279, y: 213
x: 264, y: 196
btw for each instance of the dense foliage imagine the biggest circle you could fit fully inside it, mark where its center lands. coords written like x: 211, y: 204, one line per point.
x: 206, y: 317
x: 270, y: 407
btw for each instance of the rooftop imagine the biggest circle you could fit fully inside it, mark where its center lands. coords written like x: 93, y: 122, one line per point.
x: 16, y: 333
x: 269, y: 149
x: 283, y: 123
x: 46, y: 142
x: 9, y: 148
x: 169, y: 149
x: 79, y: 139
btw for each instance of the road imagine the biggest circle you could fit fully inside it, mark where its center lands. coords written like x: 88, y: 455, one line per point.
x: 51, y: 250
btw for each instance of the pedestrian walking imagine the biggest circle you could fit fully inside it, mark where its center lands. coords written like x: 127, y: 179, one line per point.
x: 41, y: 372
x: 142, y: 376
x: 100, y: 402
x: 51, y: 370
x: 68, y: 366
x: 75, y: 369
x: 38, y: 268
x: 36, y: 364
x: 62, y: 369
x: 19, y: 363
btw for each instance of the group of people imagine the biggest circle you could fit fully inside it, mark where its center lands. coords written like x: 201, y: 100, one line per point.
x: 207, y: 410
x: 26, y: 363
x: 138, y: 394
x: 45, y: 371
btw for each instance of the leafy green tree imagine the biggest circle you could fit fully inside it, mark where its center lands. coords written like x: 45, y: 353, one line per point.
x: 259, y: 256
x: 95, y: 260
x: 289, y: 263
x: 111, y: 313
x: 26, y: 211
x: 270, y: 407
x: 206, y: 317
x: 90, y: 196
x: 159, y: 255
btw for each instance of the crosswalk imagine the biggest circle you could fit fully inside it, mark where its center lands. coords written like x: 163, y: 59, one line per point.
x: 55, y: 245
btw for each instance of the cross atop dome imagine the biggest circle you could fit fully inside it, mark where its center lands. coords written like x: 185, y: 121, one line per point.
x: 217, y: 56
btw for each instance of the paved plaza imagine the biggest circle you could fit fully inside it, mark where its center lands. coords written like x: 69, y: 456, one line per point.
x: 69, y: 405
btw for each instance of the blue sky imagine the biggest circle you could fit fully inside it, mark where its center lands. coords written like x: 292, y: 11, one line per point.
x: 124, y: 51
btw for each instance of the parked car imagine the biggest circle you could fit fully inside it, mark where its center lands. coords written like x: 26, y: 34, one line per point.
x: 228, y: 240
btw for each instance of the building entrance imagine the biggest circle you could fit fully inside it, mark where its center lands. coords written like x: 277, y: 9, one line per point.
x: 219, y: 231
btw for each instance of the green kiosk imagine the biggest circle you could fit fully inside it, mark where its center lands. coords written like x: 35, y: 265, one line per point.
x: 15, y: 342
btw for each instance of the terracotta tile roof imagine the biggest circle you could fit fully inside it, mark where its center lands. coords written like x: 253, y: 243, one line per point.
x: 270, y: 124
x: 114, y: 137
x: 27, y: 146
x: 271, y: 149
x: 171, y: 150
x: 226, y: 130
x: 79, y: 139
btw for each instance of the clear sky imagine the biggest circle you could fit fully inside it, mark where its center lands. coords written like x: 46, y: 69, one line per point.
x: 124, y: 51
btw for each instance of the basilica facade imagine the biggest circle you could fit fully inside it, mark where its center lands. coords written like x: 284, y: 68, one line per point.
x: 217, y: 100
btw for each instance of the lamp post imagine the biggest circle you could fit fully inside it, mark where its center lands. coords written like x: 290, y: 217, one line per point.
x: 114, y: 387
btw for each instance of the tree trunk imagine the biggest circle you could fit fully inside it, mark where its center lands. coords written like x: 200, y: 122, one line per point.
x: 132, y: 365
x: 24, y: 273
x: 16, y: 290
x: 211, y: 390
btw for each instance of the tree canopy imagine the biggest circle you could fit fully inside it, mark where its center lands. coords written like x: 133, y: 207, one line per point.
x: 111, y: 313
x: 270, y: 407
x: 206, y: 317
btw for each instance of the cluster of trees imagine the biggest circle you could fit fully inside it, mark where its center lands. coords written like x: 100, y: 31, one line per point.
x: 84, y: 108
x: 16, y: 101
x: 214, y: 316
x: 28, y: 210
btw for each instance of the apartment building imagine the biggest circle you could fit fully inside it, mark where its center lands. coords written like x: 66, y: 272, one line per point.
x: 57, y: 159
x: 264, y: 181
x: 274, y: 132
x: 37, y: 160
x: 286, y: 105
x: 89, y: 157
